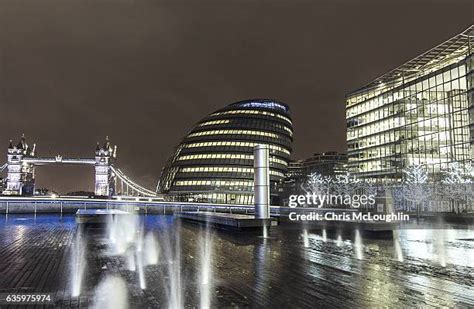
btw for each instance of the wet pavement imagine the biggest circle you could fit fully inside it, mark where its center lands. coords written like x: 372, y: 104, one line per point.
x: 247, y: 271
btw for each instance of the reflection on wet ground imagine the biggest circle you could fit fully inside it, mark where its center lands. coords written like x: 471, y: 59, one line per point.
x: 430, y: 268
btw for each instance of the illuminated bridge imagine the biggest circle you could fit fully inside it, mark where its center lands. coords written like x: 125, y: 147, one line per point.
x: 109, y: 179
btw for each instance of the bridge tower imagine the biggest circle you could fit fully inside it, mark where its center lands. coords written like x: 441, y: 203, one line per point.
x: 20, y: 174
x: 104, y: 177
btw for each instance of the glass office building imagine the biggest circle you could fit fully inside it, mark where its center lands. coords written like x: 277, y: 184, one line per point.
x: 214, y: 162
x: 419, y: 113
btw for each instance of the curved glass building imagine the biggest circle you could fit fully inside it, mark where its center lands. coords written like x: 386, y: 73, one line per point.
x: 214, y: 162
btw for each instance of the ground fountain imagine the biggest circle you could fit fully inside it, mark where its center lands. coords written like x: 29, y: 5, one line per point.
x: 171, y: 244
x: 339, y: 240
x: 440, y: 248
x: 78, y: 262
x: 325, y: 236
x: 305, y: 238
x: 151, y: 251
x: 122, y: 232
x: 196, y: 270
x: 112, y: 293
x: 131, y: 263
x: 139, y: 257
x: 358, y: 245
x: 265, y: 231
x: 127, y: 239
x: 205, y: 267
x: 146, y: 253
x: 397, y: 245
x: 141, y: 270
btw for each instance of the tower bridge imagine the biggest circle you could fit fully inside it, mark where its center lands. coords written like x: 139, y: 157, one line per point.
x: 109, y: 180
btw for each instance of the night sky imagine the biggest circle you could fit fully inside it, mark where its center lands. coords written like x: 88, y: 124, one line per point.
x: 143, y: 72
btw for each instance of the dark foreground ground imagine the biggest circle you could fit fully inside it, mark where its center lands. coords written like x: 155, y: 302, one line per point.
x: 248, y: 271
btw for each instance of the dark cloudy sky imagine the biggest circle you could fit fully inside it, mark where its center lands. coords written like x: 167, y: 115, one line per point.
x: 143, y: 72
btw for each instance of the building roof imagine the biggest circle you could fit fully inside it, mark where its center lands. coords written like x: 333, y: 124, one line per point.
x: 443, y: 53
x: 263, y: 103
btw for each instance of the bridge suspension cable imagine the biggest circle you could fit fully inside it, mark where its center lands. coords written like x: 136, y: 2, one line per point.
x: 4, y: 166
x: 130, y: 184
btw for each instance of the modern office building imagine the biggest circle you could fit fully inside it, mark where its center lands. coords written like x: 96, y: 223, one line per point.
x: 327, y: 163
x: 419, y: 113
x: 214, y: 162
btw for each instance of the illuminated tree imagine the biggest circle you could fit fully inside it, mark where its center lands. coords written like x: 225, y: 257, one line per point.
x: 318, y: 184
x: 344, y: 185
x: 415, y: 188
x: 458, y: 184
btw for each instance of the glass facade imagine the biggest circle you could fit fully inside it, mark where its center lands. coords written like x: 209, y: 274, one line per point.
x: 420, y: 113
x: 214, y: 162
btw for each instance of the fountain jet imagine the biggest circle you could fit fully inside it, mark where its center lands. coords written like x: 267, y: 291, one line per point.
x: 397, y: 245
x: 265, y: 230
x: 205, y: 277
x: 131, y: 265
x: 111, y: 293
x: 358, y: 245
x: 172, y: 256
x: 141, y: 270
x: 439, y: 247
x: 151, y: 251
x: 122, y: 231
x: 78, y: 263
x: 305, y: 238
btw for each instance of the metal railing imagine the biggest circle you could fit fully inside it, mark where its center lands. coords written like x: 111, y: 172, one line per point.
x: 68, y: 204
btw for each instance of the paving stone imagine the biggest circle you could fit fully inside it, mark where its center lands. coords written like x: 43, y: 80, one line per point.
x: 248, y: 271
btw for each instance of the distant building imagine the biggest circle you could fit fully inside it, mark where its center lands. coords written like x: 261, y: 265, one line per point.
x: 293, y: 179
x: 214, y: 161
x: 328, y: 164
x: 421, y: 113
x: 295, y: 169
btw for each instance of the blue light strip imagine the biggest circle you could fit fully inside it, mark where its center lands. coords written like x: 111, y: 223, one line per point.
x: 271, y: 105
